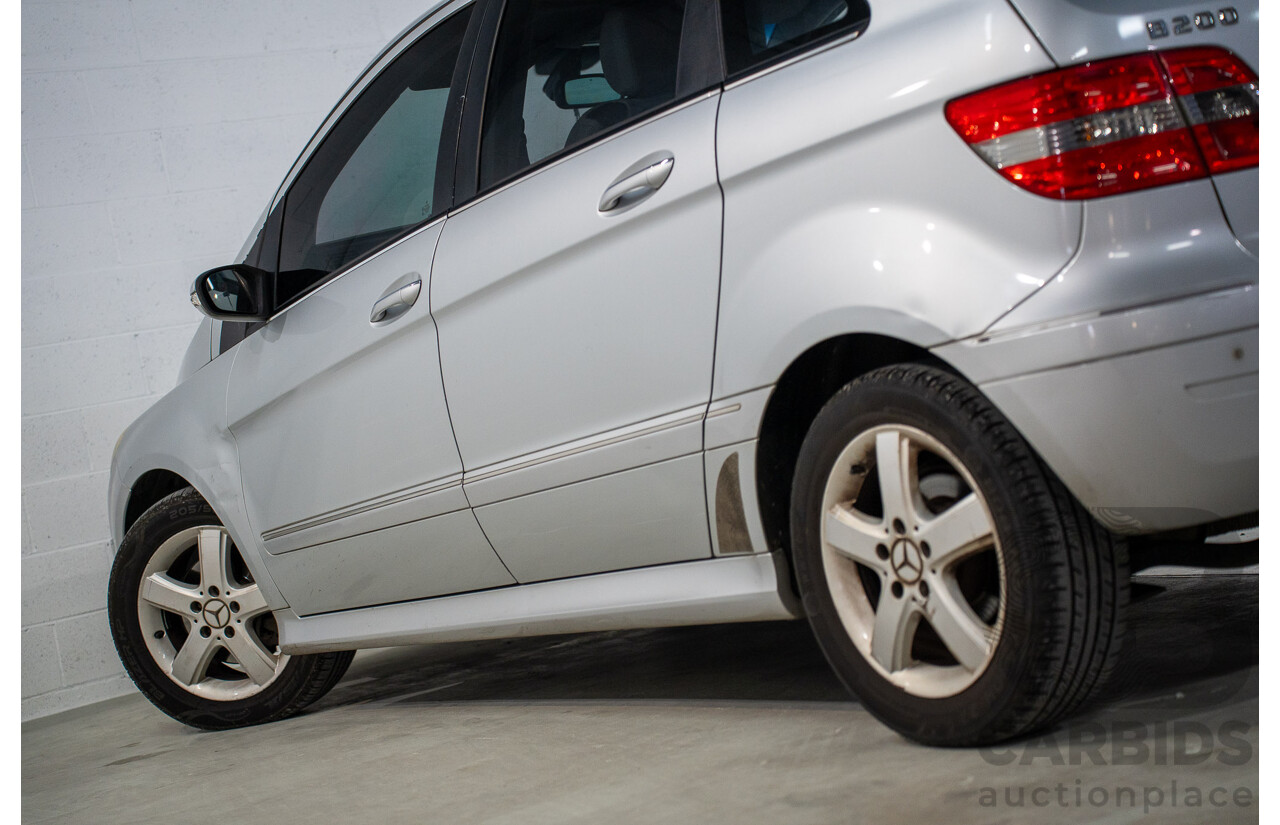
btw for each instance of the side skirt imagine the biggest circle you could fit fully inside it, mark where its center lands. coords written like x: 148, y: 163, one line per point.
x: 736, y: 589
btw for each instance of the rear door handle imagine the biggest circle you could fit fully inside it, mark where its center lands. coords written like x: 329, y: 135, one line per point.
x: 653, y: 171
x: 395, y: 300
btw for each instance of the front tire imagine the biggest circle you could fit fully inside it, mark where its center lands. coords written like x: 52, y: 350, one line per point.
x: 955, y: 586
x: 193, y: 629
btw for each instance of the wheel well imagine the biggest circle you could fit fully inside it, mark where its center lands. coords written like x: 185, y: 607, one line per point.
x: 150, y: 487
x: 800, y: 393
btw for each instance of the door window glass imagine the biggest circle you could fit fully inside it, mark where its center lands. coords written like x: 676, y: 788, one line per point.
x: 566, y: 71
x: 375, y: 174
x: 758, y: 32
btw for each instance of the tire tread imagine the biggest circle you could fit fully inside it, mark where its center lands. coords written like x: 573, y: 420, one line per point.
x: 1086, y: 585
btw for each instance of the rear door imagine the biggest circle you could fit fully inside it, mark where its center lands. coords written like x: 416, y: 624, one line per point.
x: 351, y: 474
x: 576, y: 292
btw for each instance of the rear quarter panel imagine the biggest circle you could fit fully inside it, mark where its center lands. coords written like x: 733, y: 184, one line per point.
x: 1077, y: 31
x: 852, y: 206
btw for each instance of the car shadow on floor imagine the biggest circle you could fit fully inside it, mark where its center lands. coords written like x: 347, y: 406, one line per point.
x: 1191, y: 641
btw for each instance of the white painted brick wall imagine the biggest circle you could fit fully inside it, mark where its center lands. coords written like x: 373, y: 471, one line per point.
x: 153, y: 132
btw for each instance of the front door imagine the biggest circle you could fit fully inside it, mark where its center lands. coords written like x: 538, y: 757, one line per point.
x: 351, y: 475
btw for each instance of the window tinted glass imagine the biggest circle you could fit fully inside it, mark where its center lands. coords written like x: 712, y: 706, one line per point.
x: 388, y: 181
x: 375, y: 174
x: 757, y: 32
x: 566, y: 71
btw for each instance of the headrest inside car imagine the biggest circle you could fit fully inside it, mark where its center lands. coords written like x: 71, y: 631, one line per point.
x: 639, y: 45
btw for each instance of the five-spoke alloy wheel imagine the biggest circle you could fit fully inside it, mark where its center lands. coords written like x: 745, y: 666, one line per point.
x: 194, y: 629
x: 205, y: 621
x: 915, y: 572
x: 955, y: 586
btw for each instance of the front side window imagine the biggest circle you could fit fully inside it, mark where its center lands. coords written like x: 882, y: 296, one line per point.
x: 374, y: 176
x: 759, y: 32
x: 566, y: 71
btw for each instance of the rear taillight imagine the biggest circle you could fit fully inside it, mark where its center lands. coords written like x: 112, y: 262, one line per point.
x: 1220, y: 97
x: 1116, y: 125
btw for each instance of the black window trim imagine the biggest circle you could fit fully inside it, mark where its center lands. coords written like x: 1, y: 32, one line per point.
x: 389, y: 53
x: 231, y: 332
x: 803, y: 51
x: 452, y: 116
x: 700, y: 34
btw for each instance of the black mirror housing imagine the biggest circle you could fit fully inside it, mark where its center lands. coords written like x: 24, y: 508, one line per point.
x: 233, y: 293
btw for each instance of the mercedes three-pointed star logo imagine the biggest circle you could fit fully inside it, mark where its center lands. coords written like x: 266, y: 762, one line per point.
x: 216, y: 613
x: 908, y: 563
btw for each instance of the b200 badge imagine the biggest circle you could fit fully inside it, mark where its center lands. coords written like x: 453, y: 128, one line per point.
x: 1185, y: 24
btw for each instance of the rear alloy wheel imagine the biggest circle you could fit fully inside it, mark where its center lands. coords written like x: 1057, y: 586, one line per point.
x: 918, y: 582
x: 955, y: 586
x: 193, y: 629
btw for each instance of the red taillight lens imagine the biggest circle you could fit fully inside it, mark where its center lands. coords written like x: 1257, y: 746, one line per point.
x: 1116, y: 125
x: 1220, y: 97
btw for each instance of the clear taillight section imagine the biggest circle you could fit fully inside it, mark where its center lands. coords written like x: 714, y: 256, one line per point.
x: 1220, y: 97
x: 1117, y: 125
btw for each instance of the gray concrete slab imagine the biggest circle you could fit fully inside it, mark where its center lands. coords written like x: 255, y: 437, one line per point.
x: 729, y: 723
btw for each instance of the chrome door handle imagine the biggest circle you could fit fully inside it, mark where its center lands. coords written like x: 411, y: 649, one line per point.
x: 395, y: 301
x: 648, y: 178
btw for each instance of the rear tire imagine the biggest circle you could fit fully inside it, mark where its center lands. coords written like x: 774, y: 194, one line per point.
x: 955, y: 586
x: 193, y: 629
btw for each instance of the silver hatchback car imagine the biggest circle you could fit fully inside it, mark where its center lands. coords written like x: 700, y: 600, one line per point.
x: 903, y: 318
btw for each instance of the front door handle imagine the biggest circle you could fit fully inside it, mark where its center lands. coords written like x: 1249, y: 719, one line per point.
x: 653, y: 171
x: 395, y: 301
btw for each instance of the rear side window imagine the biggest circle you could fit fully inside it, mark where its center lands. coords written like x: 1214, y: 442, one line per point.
x: 375, y: 174
x: 760, y: 32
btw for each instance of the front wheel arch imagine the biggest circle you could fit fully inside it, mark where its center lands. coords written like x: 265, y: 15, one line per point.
x: 151, y: 487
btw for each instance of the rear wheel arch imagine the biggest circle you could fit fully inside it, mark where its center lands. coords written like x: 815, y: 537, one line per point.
x: 807, y: 383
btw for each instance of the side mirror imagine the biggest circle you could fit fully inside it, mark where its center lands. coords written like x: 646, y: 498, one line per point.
x: 233, y: 293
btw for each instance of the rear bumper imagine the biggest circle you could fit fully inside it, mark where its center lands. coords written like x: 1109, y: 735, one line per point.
x: 1149, y: 416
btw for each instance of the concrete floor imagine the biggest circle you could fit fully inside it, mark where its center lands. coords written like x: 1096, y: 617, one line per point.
x: 738, y: 723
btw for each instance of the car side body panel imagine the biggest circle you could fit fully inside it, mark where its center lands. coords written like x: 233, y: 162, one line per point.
x: 1077, y: 31
x: 576, y: 347
x: 743, y: 589
x: 850, y: 204
x: 1141, y: 248
x: 1238, y: 192
x: 1188, y: 417
x: 321, y: 480
x: 200, y: 351
x: 1149, y: 415
x: 185, y: 433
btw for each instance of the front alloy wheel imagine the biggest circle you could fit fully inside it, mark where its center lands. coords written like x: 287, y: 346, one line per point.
x: 204, y: 619
x: 193, y: 629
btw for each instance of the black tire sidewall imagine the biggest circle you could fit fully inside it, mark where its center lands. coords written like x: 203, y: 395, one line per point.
x: 1007, y: 482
